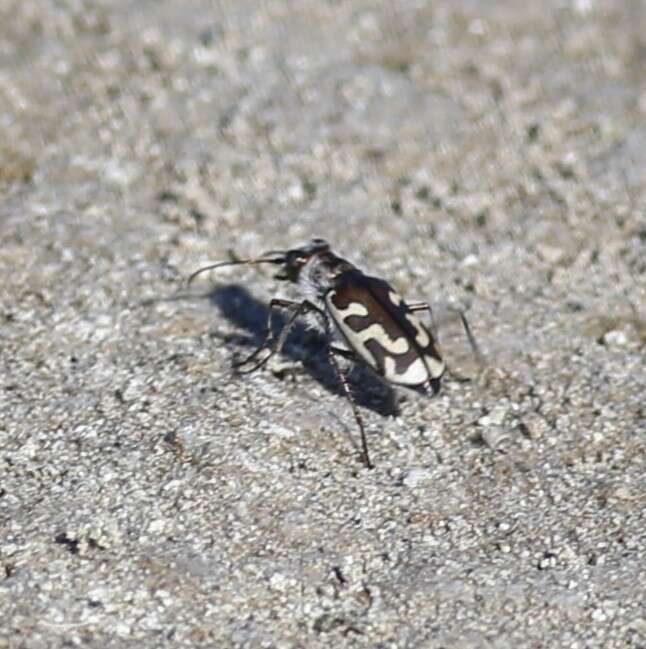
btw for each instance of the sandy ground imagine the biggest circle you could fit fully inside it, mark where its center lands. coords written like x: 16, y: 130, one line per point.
x: 485, y: 155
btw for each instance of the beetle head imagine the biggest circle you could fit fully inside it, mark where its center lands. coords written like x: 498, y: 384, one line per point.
x: 314, y: 265
x: 295, y: 260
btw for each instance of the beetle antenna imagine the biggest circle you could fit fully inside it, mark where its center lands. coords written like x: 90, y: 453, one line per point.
x: 235, y: 262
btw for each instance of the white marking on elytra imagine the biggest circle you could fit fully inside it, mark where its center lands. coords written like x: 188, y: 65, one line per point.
x: 390, y: 368
x: 415, y: 374
x: 377, y: 332
x: 359, y: 338
x: 422, y: 337
x: 435, y: 367
x: 354, y: 308
x: 398, y: 346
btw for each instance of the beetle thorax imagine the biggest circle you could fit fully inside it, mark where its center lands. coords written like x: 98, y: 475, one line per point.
x: 320, y: 273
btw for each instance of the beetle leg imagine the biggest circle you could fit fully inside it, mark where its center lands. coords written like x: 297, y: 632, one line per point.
x: 334, y: 352
x: 346, y: 353
x: 472, y: 341
x: 297, y: 309
x: 425, y: 306
x: 274, y: 304
x: 300, y: 308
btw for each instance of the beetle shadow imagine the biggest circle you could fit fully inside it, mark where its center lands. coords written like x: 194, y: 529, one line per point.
x: 304, y: 345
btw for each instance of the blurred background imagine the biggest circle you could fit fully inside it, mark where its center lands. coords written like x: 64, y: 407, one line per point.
x: 456, y: 148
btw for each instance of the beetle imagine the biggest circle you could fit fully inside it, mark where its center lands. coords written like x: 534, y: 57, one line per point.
x: 362, y: 317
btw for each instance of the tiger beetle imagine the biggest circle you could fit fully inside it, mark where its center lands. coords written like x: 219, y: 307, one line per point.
x: 362, y: 318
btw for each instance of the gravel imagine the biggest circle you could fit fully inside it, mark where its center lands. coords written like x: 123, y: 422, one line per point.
x: 483, y: 156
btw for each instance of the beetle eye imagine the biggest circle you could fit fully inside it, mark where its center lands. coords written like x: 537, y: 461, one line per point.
x: 296, y: 258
